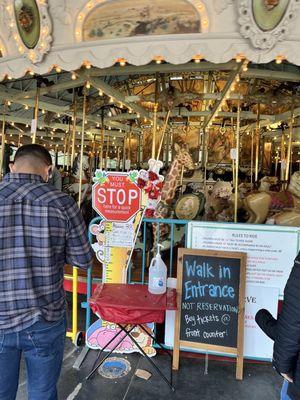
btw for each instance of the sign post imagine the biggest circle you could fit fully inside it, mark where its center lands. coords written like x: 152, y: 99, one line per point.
x: 211, y: 291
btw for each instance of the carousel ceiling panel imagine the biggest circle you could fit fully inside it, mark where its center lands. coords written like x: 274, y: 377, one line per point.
x: 38, y: 35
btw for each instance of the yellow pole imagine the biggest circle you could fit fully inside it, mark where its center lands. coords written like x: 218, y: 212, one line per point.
x: 237, y: 162
x: 74, y: 129
x: 154, y: 131
x: 257, y: 141
x: 102, y: 146
x: 289, y: 151
x: 163, y: 134
x: 2, y: 142
x: 251, y: 166
x: 36, y: 113
x: 75, y: 270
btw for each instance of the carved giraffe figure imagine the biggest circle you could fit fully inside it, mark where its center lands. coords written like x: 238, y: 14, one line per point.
x: 182, y: 160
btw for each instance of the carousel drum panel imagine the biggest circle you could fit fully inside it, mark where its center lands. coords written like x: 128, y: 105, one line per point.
x: 27, y: 17
x: 188, y: 207
x: 269, y: 13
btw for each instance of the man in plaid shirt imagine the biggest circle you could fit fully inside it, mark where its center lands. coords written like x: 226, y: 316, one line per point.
x: 41, y: 229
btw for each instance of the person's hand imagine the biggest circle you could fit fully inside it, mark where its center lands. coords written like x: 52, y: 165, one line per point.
x: 287, y: 378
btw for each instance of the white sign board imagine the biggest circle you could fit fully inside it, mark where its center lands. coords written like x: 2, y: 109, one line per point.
x: 271, y: 250
x: 119, y: 234
x: 256, y: 343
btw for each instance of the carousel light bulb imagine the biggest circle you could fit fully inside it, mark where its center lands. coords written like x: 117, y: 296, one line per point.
x: 109, y: 113
x: 138, y: 115
x: 27, y: 125
x: 88, y: 66
x: 245, y: 68
x: 100, y: 93
x: 43, y: 111
x: 238, y: 59
x: 122, y: 63
x: 158, y: 61
x: 88, y: 85
x: 130, y: 111
x: 98, y: 125
x: 31, y: 73
x: 58, y: 69
x: 10, y: 135
x: 41, y: 137
x: 9, y: 103
x: 120, y: 130
x: 21, y: 135
x: 111, y: 100
x: 121, y: 105
x: 58, y: 115
x: 109, y: 128
x: 9, y: 77
x: 74, y: 77
x: 237, y: 78
x: 114, y: 138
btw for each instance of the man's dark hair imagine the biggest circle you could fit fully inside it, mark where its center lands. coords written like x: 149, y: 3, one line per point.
x: 34, y: 151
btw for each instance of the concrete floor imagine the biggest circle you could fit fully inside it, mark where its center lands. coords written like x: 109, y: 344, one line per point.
x: 260, y: 381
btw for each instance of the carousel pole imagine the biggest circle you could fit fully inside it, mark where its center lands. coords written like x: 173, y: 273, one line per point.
x: 163, y: 134
x: 124, y: 152
x: 102, y: 146
x: 75, y: 270
x: 257, y: 142
x: 251, y: 162
x: 289, y: 151
x: 118, y: 158
x: 154, y: 131
x: 237, y: 163
x: 107, y: 152
x: 282, y: 158
x: 36, y: 114
x: 74, y: 127
x: 2, y: 141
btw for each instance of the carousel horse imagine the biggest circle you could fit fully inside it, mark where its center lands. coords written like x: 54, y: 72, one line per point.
x: 182, y: 159
x: 287, y: 202
x: 72, y: 188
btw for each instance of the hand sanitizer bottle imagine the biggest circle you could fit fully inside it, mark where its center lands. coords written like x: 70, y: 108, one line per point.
x: 157, y: 274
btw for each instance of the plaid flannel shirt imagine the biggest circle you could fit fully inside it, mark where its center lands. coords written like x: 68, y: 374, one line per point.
x: 41, y: 229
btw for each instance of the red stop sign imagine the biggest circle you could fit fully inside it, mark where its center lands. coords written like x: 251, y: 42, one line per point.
x: 118, y: 199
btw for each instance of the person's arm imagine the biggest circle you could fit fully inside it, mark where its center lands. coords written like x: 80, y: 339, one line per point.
x: 78, y: 249
x: 287, y: 342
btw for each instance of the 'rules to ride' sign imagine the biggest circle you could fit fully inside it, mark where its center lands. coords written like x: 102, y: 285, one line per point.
x: 116, y: 196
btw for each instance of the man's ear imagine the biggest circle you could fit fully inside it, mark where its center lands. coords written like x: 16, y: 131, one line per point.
x: 11, y: 167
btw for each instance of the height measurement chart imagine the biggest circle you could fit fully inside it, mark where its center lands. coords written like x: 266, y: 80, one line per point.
x: 270, y: 250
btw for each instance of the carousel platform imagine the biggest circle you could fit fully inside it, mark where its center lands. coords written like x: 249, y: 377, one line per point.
x: 193, y: 381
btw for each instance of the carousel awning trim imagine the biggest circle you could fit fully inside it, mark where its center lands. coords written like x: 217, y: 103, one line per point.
x: 141, y: 51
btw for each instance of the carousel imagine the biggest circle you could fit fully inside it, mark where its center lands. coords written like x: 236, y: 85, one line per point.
x: 208, y: 89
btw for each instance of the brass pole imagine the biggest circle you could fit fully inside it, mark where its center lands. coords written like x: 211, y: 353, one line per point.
x: 74, y: 128
x: 289, y: 151
x: 2, y: 141
x: 36, y: 113
x: 154, y: 130
x: 257, y: 142
x: 81, y: 149
x: 118, y: 158
x: 102, y: 147
x: 282, y: 157
x: 251, y: 165
x: 129, y: 146
x: 237, y: 162
x: 163, y: 134
x: 124, y: 152
x: 107, y: 151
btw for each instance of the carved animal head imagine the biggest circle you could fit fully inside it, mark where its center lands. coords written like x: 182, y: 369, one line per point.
x: 294, y: 186
x: 183, y: 157
x: 222, y: 190
x: 85, y: 165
